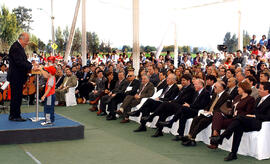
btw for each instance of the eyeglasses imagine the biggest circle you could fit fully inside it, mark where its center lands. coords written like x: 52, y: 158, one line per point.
x: 129, y: 75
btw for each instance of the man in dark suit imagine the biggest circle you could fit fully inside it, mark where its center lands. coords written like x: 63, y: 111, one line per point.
x: 200, y: 101
x: 162, y: 81
x: 95, y: 95
x: 232, y: 89
x: 17, y: 75
x: 118, y: 90
x: 205, y: 118
x: 168, y: 108
x: 154, y: 79
x: 210, y: 81
x: 248, y: 123
x: 59, y: 78
x: 146, y: 90
x: 168, y: 94
x: 131, y: 89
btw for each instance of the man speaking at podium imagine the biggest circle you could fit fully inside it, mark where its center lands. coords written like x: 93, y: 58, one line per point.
x: 19, y: 66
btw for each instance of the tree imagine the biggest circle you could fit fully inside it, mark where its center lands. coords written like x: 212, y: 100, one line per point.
x: 168, y: 48
x: 246, y: 38
x: 186, y: 49
x: 77, y: 42
x: 231, y: 42
x: 195, y: 50
x: 48, y: 46
x: 41, y: 45
x: 92, y: 42
x: 126, y: 48
x: 33, y: 43
x: 149, y: 49
x: 65, y: 35
x: 8, y: 27
x: 24, y: 17
x: 59, y: 39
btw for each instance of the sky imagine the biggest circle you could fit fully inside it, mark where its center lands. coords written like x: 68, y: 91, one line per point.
x: 112, y: 20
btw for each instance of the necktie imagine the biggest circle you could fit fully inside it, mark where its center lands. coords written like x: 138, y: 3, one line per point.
x: 142, y: 89
x: 167, y: 89
x: 260, y: 102
x: 213, y: 104
x: 196, y: 96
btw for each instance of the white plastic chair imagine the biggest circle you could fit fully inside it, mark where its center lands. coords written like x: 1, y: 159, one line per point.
x: 70, y: 97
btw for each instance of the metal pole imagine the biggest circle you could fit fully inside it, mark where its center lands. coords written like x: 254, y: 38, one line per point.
x: 52, y: 17
x: 72, y: 30
x: 37, y: 95
x: 175, y: 47
x: 240, y: 31
x: 136, y: 43
x: 83, y: 33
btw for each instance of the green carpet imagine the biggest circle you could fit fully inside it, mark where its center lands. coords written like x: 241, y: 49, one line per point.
x: 109, y: 142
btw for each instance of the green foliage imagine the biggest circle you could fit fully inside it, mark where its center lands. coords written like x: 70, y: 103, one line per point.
x: 33, y: 43
x: 65, y: 35
x: 246, y: 38
x: 92, y: 42
x: 41, y: 45
x: 149, y: 48
x: 24, y: 17
x: 126, y: 48
x: 230, y: 42
x: 105, y: 47
x: 195, y: 50
x: 59, y: 40
x: 77, y: 41
x: 8, y: 26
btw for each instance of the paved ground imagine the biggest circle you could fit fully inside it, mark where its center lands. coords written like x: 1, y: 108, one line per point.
x: 109, y: 142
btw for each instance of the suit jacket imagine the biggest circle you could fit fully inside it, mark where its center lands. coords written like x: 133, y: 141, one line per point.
x: 223, y: 98
x: 120, y: 88
x: 262, y: 111
x: 70, y: 81
x: 171, y: 93
x: 200, y: 101
x: 244, y: 106
x: 185, y: 95
x: 83, y: 79
x: 112, y: 85
x: 100, y: 84
x: 147, y: 91
x: 135, y: 84
x: 210, y: 89
x: 19, y: 66
x: 154, y: 79
x: 161, y: 85
x: 59, y: 81
x: 234, y: 93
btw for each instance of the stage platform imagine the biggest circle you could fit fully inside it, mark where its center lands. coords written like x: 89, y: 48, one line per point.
x: 32, y: 132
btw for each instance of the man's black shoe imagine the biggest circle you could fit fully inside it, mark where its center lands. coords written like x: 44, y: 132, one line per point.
x: 180, y: 138
x: 216, y: 140
x: 110, y: 117
x: 189, y: 143
x: 134, y: 114
x: 166, y: 124
x: 140, y: 129
x: 17, y: 119
x: 230, y: 157
x: 157, y: 134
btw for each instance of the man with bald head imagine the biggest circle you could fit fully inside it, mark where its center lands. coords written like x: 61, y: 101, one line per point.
x: 19, y: 66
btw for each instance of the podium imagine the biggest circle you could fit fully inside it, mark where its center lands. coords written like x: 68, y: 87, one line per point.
x: 37, y: 118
